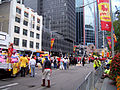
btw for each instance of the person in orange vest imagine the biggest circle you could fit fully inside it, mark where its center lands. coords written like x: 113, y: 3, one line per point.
x: 23, y: 64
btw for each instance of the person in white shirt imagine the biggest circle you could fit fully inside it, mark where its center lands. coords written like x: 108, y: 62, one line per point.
x: 32, y: 64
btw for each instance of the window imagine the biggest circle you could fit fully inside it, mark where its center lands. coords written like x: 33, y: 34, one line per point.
x: 18, y: 10
x: 33, y: 18
x: 18, y: 1
x: 24, y: 43
x: 37, y: 45
x: 31, y: 44
x: 17, y: 19
x: 31, y: 34
x: 25, y: 32
x: 38, y: 28
x: 33, y: 26
x: 38, y: 20
x: 16, y: 41
x: 25, y: 23
x: 25, y: 14
x: 38, y: 36
x: 17, y: 29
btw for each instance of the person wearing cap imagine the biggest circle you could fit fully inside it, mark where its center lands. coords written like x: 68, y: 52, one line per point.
x: 46, y: 70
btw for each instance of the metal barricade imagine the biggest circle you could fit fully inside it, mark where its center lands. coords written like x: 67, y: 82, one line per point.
x: 91, y: 79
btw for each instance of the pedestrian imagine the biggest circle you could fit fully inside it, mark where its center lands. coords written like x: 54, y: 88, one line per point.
x: 46, y: 70
x: 55, y: 62
x: 23, y: 64
x: 83, y: 61
x: 65, y: 63
x: 32, y: 64
x: 61, y: 63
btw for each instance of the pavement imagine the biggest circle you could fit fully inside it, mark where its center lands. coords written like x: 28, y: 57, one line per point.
x: 105, y: 84
x: 60, y: 79
x: 108, y: 84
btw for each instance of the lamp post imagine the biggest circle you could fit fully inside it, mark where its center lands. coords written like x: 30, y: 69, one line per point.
x: 112, y: 29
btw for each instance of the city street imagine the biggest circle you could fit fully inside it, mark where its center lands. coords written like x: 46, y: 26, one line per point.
x: 60, y: 80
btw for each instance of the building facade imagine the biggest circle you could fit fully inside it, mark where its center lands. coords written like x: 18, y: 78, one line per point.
x: 24, y: 25
x: 59, y: 17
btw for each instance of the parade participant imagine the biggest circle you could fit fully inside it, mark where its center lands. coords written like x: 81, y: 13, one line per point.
x: 32, y: 64
x: 23, y: 62
x: 55, y: 62
x: 46, y: 70
x: 68, y: 62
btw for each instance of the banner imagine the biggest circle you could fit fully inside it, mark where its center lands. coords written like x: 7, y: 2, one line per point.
x: 52, y: 42
x: 114, y: 37
x: 10, y: 51
x: 74, y: 49
x: 109, y: 41
x: 104, y: 12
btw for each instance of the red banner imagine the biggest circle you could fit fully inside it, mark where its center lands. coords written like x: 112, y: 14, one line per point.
x: 104, y: 11
x: 10, y: 51
x: 74, y: 49
x: 52, y: 42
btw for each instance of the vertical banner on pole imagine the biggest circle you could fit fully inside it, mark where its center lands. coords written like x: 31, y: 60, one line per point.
x: 74, y: 49
x: 109, y: 41
x: 52, y: 42
x: 104, y: 11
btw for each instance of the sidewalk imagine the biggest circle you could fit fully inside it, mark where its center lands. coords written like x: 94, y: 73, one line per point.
x: 108, y: 85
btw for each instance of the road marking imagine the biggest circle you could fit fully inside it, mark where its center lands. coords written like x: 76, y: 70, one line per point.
x: 9, y: 85
x: 6, y: 89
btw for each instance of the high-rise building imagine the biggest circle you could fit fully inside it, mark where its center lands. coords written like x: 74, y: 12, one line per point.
x: 59, y: 17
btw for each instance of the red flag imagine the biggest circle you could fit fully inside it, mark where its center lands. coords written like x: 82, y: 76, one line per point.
x: 74, y: 49
x: 52, y: 42
x: 10, y: 51
x: 109, y: 41
x: 104, y: 11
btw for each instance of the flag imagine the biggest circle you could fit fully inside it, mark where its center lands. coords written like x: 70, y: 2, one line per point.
x: 10, y: 51
x: 109, y: 41
x: 74, y: 49
x: 114, y: 37
x: 104, y: 12
x: 52, y: 42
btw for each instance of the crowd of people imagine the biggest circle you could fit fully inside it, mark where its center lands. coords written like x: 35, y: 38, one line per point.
x: 47, y: 63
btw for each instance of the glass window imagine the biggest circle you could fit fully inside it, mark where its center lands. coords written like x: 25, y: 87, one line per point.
x: 38, y: 20
x: 25, y: 32
x: 17, y: 19
x: 18, y: 10
x: 38, y: 28
x: 38, y: 36
x: 17, y: 29
x: 24, y: 43
x: 31, y: 44
x: 33, y: 26
x: 16, y: 41
x: 31, y: 34
x: 25, y: 14
x: 18, y: 1
x: 37, y: 45
x: 25, y: 23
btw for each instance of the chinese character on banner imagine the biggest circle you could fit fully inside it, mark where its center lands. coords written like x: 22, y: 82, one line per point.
x: 104, y: 12
x: 10, y: 51
x: 52, y: 42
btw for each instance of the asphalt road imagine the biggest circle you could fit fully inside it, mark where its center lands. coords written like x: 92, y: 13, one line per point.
x: 60, y: 80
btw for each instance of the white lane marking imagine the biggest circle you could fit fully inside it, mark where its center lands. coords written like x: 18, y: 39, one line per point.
x: 9, y: 85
